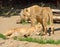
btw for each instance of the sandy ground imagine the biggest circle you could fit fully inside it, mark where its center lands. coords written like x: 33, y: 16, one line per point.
x: 7, y: 23
x: 15, y: 43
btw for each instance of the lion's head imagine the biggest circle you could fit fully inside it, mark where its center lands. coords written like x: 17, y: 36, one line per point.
x: 25, y: 13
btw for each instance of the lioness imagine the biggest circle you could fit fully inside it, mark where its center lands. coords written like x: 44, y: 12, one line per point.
x: 39, y: 14
x: 24, y: 31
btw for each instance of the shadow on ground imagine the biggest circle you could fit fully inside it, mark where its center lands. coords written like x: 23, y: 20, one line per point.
x: 56, y: 29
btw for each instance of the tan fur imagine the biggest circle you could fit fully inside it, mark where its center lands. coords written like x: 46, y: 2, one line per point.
x: 24, y: 31
x: 40, y: 14
x: 48, y: 16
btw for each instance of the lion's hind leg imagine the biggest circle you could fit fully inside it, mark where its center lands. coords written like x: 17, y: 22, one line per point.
x: 8, y: 33
x: 51, y: 21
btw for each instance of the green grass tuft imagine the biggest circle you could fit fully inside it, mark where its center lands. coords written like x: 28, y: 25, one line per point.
x: 2, y: 36
x: 24, y: 22
x: 40, y: 41
x: 50, y: 41
x: 57, y: 42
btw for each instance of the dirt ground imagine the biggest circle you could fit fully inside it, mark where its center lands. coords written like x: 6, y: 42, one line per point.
x: 7, y: 23
x: 15, y: 43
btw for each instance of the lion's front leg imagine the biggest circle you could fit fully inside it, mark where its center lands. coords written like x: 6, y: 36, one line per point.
x: 33, y: 21
x: 52, y: 26
x: 45, y: 26
x: 45, y: 30
x: 8, y: 33
x: 51, y: 21
x: 52, y: 29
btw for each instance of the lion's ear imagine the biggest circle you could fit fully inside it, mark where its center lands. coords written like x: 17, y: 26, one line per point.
x: 26, y: 9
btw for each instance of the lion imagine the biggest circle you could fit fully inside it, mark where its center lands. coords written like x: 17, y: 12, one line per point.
x: 39, y: 14
x: 24, y: 31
